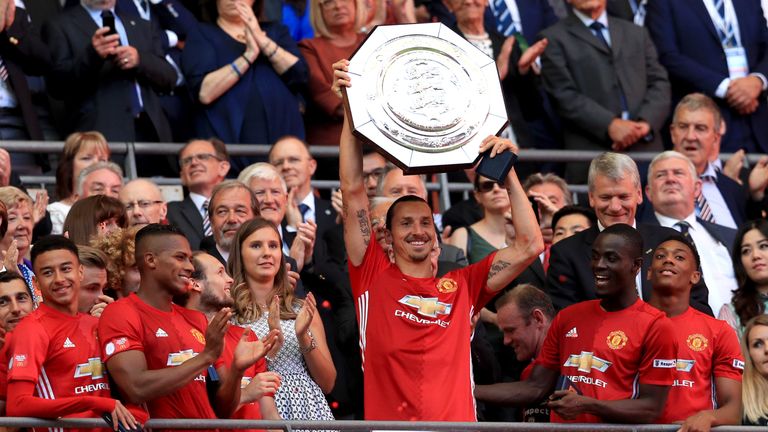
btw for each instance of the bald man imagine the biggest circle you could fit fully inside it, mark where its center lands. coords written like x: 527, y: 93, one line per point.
x: 144, y: 203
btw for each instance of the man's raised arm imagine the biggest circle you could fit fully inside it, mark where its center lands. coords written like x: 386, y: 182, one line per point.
x: 355, y: 212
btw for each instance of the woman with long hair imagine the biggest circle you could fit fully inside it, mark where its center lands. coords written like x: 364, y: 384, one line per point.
x: 754, y: 386
x: 264, y: 300
x: 750, y: 264
x: 95, y: 216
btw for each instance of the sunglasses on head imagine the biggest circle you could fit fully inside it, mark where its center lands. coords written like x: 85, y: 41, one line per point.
x: 486, y: 186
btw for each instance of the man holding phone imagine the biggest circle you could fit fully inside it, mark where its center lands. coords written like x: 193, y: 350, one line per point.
x: 109, y: 80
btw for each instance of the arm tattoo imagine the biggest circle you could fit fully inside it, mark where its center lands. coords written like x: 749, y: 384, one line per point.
x: 496, y: 268
x: 365, y: 225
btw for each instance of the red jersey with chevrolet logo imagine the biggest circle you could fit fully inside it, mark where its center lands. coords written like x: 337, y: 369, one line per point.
x: 415, y: 335
x: 167, y: 339
x: 60, y: 354
x: 707, y: 349
x: 608, y: 354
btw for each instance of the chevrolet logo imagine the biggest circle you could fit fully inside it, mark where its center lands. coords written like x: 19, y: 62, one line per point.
x: 94, y: 369
x: 427, y: 306
x: 175, y: 359
x: 586, y: 361
x: 684, y: 365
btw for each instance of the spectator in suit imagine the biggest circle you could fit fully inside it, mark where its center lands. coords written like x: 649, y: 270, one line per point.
x: 81, y: 149
x: 110, y: 82
x: 750, y: 262
x: 94, y: 216
x: 614, y: 194
x: 144, y: 202
x: 570, y: 220
x: 697, y: 40
x: 232, y: 204
x: 672, y: 186
x: 606, y: 82
x: 204, y: 164
x: 550, y: 193
x: 697, y: 129
x: 101, y: 178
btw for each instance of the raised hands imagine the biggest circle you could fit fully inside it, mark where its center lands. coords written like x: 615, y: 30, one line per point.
x: 11, y: 257
x: 214, y: 335
x: 248, y: 352
x: 304, y: 318
x: 340, y: 76
x: 274, y: 325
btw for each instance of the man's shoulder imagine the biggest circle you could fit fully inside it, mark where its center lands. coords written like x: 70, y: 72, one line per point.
x: 179, y: 205
x: 194, y: 317
x: 124, y: 308
x: 575, y: 244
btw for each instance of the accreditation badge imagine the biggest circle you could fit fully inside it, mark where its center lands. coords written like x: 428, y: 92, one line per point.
x: 737, y: 62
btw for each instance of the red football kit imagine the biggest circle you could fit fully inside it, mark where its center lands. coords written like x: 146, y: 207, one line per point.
x: 415, y: 336
x: 707, y: 349
x: 55, y: 369
x: 249, y: 411
x: 606, y: 355
x: 167, y: 339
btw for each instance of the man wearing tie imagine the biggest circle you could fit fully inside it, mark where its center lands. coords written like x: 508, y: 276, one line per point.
x: 109, y: 77
x: 606, y: 83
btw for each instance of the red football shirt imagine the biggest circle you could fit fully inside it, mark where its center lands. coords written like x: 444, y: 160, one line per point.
x: 4, y: 360
x: 249, y: 411
x: 607, y: 354
x: 167, y: 339
x: 707, y: 349
x: 59, y: 353
x: 414, y: 336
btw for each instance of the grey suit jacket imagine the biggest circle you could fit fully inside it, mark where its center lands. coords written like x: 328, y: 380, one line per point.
x: 583, y: 78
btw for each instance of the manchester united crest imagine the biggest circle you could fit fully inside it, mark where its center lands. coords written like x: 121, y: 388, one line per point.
x: 447, y: 285
x: 616, y: 340
x: 199, y: 336
x: 697, y: 342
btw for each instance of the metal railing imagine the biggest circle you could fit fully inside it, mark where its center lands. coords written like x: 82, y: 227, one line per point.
x: 130, y: 150
x: 355, y: 425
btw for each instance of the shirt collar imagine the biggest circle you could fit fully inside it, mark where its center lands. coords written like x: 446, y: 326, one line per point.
x: 309, y: 200
x: 710, y: 171
x: 600, y: 226
x: 198, y: 199
x: 96, y: 13
x: 669, y: 222
x: 587, y: 20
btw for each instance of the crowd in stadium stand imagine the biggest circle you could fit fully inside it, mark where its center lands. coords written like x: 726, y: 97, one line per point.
x: 258, y: 296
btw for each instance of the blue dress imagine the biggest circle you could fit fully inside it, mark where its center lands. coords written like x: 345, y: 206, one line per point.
x: 262, y: 106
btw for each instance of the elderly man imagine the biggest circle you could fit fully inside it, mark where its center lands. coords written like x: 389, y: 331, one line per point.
x: 101, y: 178
x: 672, y: 186
x: 144, y: 203
x: 697, y: 130
x: 204, y: 164
x: 232, y: 204
x: 606, y: 83
x: 615, y: 194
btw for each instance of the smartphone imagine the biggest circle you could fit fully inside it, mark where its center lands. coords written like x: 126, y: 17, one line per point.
x: 120, y: 428
x: 109, y: 21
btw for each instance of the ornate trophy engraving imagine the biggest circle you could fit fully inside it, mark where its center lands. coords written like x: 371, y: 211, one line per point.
x: 424, y: 96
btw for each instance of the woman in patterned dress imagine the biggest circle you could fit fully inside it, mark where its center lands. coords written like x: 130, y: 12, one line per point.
x: 263, y: 301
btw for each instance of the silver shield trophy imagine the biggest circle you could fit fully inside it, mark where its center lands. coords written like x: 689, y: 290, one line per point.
x: 424, y: 96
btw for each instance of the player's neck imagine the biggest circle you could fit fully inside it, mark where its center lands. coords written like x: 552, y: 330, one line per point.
x: 671, y: 304
x: 155, y: 296
x: 618, y: 303
x: 70, y: 310
x: 411, y: 268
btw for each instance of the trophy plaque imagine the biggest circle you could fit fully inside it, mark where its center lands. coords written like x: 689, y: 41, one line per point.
x: 424, y: 96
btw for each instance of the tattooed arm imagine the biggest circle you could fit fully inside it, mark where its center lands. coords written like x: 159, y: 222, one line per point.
x: 527, y: 244
x: 355, y: 212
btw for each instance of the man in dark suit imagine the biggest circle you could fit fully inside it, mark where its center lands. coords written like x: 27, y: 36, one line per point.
x: 697, y: 41
x: 614, y: 193
x: 110, y: 82
x: 697, y: 129
x: 672, y: 186
x: 606, y: 83
x: 297, y: 166
x: 204, y: 164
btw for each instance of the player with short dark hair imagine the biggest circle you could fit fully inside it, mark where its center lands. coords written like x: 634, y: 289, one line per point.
x: 15, y: 304
x: 157, y: 352
x: 616, y: 355
x: 707, y: 389
x: 55, y: 369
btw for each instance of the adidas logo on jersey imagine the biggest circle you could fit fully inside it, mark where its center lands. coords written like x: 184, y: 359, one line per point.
x: 572, y: 333
x: 160, y: 333
x: 68, y: 344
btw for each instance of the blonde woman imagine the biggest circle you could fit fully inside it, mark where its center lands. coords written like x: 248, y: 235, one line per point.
x: 754, y: 387
x: 257, y: 265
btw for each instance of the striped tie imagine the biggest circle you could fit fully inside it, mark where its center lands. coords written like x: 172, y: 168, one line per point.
x: 702, y: 206
x: 3, y: 71
x: 206, y: 220
x: 728, y: 38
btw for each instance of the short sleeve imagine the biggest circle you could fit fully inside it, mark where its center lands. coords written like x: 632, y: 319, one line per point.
x: 27, y: 353
x: 549, y: 357
x: 120, y: 330
x: 374, y: 262
x: 657, y: 365
x: 728, y: 361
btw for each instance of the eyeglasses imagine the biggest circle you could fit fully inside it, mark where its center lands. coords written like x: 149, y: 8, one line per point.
x: 143, y: 204
x: 375, y: 174
x: 327, y: 4
x: 202, y: 157
x: 486, y: 186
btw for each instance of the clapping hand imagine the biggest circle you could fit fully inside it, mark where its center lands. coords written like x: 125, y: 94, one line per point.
x: 307, y: 312
x: 248, y: 352
x: 274, y: 325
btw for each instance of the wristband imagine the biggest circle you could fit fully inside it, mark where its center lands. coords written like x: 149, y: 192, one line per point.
x: 237, y: 71
x: 250, y: 63
x: 312, y: 344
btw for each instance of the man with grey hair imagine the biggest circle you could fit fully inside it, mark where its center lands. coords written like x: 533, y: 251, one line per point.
x: 672, y: 186
x: 144, y: 202
x: 101, y: 178
x: 614, y: 193
x: 232, y: 204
